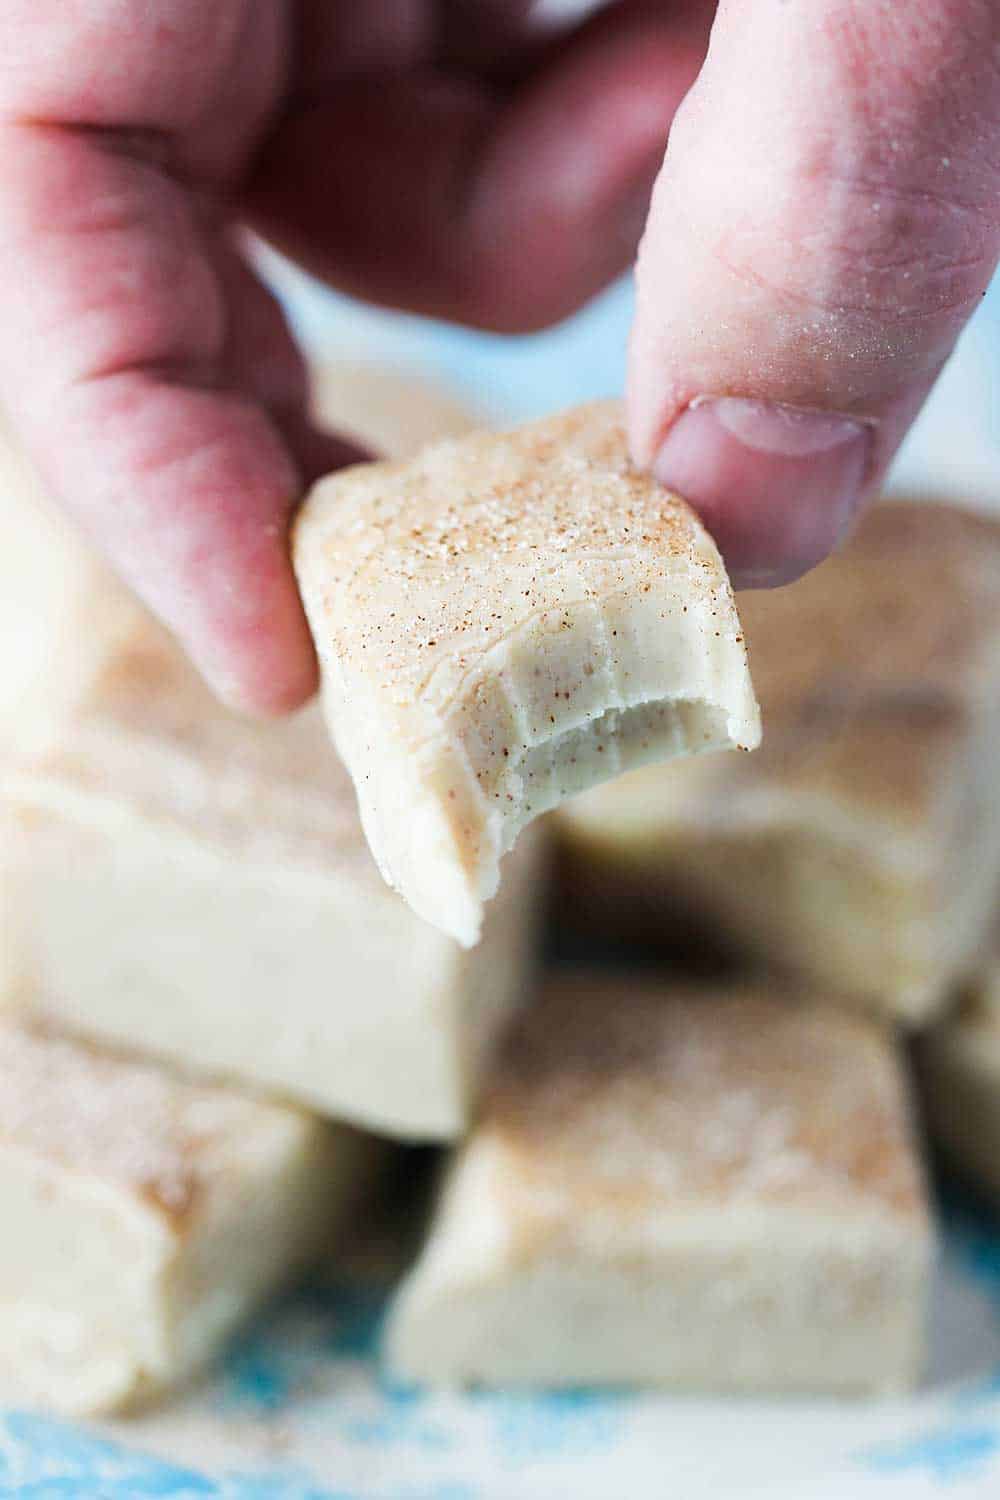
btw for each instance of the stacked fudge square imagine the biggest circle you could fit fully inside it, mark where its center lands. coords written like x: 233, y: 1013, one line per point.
x: 215, y: 1010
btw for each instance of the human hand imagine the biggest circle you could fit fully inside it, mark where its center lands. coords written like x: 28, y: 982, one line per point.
x: 826, y: 221
x: 149, y: 372
x: 442, y: 157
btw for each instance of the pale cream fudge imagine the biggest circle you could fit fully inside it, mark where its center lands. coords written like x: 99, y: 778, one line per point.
x: 960, y: 1069
x: 859, y: 849
x: 143, y: 1217
x: 705, y: 1189
x: 390, y: 411
x: 39, y: 571
x: 502, y: 622
x: 177, y: 881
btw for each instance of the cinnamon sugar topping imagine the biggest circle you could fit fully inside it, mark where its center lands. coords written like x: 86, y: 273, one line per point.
x: 548, y: 517
x: 678, y: 1095
x: 159, y: 1136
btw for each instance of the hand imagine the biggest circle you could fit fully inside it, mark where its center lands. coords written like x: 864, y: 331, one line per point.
x: 451, y: 159
x: 827, y: 218
x: 151, y: 375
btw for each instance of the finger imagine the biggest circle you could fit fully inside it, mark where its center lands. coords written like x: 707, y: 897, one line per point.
x: 198, y: 81
x: 827, y: 217
x: 260, y: 360
x: 119, y: 335
x: 118, y: 362
x: 442, y: 196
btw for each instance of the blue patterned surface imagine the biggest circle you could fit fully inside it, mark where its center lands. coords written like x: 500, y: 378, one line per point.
x: 313, y: 1363
x: 268, y: 1371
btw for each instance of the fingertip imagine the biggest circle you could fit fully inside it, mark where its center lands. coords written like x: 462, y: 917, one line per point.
x: 264, y: 678
x: 196, y: 515
x: 263, y: 704
x: 777, y: 487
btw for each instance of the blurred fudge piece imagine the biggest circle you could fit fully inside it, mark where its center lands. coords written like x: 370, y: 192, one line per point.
x: 144, y: 1216
x: 859, y: 848
x: 390, y: 411
x: 708, y: 1189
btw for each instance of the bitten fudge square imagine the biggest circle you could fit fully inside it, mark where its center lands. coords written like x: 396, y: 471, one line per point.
x: 501, y: 622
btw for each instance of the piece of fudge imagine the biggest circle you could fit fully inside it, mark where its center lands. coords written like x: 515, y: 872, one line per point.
x: 178, y: 881
x: 501, y: 622
x: 960, y: 1072
x: 709, y: 1189
x: 144, y: 1216
x: 389, y: 411
x: 859, y: 849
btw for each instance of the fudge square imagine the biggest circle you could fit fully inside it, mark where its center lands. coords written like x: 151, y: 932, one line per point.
x: 177, y: 881
x: 859, y: 849
x: 390, y: 411
x: 144, y: 1216
x: 711, y: 1189
x: 501, y: 622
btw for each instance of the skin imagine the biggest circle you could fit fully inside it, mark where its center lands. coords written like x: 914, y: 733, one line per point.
x: 825, y: 219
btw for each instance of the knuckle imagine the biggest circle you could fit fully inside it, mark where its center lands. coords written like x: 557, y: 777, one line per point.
x: 858, y: 237
x: 867, y: 171
x: 107, y: 64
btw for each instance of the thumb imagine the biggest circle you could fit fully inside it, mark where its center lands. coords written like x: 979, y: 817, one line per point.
x: 826, y: 219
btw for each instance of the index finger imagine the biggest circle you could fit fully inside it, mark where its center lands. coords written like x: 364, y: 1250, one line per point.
x: 120, y: 326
